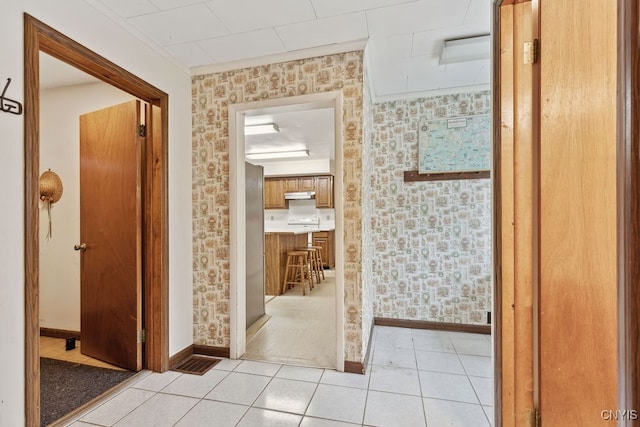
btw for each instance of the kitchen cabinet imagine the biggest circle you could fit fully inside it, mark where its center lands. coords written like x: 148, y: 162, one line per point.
x: 274, y: 194
x: 299, y: 183
x: 275, y: 187
x: 324, y: 191
x: 276, y: 246
x: 325, y: 239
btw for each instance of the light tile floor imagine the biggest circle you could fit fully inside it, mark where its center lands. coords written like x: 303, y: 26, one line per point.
x: 415, y: 378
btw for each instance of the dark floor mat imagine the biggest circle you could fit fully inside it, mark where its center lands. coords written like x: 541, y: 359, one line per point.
x: 197, y: 365
x: 65, y: 386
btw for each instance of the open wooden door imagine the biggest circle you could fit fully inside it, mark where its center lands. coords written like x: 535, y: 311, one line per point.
x: 111, y: 234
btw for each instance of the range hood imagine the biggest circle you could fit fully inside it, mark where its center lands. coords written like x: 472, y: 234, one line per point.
x: 300, y: 195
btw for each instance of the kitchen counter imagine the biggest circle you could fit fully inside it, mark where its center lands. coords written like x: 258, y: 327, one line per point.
x: 276, y: 246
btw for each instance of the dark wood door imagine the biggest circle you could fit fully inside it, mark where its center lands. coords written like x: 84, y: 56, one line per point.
x: 110, y: 227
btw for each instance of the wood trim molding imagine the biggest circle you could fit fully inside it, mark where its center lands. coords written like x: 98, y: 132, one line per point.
x: 415, y: 176
x: 39, y: 37
x: 436, y: 326
x: 628, y: 207
x: 180, y: 356
x: 209, y: 350
x: 59, y: 333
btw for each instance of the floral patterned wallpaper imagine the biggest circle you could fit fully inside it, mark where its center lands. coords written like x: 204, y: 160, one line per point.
x: 431, y: 240
x: 211, y: 96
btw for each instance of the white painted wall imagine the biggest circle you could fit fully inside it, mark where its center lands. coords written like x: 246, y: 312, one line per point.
x: 298, y: 167
x: 80, y: 21
x: 60, y: 109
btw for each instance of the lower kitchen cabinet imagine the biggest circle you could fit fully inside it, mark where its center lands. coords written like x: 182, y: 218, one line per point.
x: 276, y: 246
x: 325, y: 239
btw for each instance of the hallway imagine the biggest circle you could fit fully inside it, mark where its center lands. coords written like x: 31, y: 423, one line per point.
x: 415, y: 378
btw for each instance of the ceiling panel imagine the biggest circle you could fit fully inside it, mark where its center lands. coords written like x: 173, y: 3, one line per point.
x: 181, y: 25
x: 325, y: 31
x: 247, y: 15
x: 129, y: 8
x: 416, y: 16
x: 325, y: 8
x: 245, y: 45
x: 226, y: 34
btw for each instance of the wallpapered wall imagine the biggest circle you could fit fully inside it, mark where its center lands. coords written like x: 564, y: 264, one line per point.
x: 212, y: 94
x: 432, y: 240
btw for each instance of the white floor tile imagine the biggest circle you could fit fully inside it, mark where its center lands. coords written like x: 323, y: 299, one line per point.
x: 338, y: 403
x: 439, y: 385
x: 195, y: 385
x: 430, y: 342
x: 346, y: 379
x: 469, y: 335
x: 213, y: 413
x: 477, y: 366
x: 394, y: 357
x: 443, y: 413
x: 439, y: 362
x: 484, y: 389
x: 227, y: 364
x: 265, y: 418
x: 394, y: 410
x: 300, y: 373
x: 239, y: 388
x: 160, y: 410
x: 119, y: 406
x: 286, y: 396
x: 488, y: 410
x: 471, y: 346
x: 258, y: 368
x: 156, y: 381
x: 320, y: 422
x: 391, y: 337
x: 395, y: 380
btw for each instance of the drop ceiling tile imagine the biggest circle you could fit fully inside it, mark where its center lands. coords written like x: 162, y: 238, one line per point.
x: 181, y: 25
x: 325, y: 8
x: 242, y: 46
x: 173, y: 4
x: 247, y: 15
x: 390, y: 77
x: 324, y: 31
x: 416, y: 16
x: 479, y: 13
x: 484, y: 74
x: 430, y: 42
x: 190, y: 54
x: 129, y: 8
x: 391, y: 47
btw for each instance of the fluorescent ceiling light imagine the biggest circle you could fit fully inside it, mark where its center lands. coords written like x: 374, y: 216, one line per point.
x: 465, y: 49
x: 278, y: 154
x: 261, y: 129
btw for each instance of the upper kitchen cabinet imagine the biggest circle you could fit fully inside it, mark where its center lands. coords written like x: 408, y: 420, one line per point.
x: 299, y: 183
x: 324, y: 191
x: 274, y: 189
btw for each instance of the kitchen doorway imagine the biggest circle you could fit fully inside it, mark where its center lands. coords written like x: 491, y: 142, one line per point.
x: 238, y: 239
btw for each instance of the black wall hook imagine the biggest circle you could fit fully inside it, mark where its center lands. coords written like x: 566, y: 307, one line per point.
x: 9, y: 105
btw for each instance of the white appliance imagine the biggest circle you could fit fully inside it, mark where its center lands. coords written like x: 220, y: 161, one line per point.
x: 300, y: 195
x: 304, y: 223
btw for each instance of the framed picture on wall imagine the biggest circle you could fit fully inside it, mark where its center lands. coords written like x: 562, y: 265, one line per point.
x: 460, y: 144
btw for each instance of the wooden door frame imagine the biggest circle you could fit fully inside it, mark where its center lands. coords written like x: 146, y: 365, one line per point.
x: 39, y: 37
x: 628, y: 206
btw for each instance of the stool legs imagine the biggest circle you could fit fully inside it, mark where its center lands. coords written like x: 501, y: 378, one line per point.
x: 297, y: 271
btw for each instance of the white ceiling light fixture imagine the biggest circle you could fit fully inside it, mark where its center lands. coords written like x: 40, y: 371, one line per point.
x: 465, y: 49
x: 261, y: 129
x: 278, y: 155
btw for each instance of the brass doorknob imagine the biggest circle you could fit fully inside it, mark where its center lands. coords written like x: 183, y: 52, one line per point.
x: 80, y: 247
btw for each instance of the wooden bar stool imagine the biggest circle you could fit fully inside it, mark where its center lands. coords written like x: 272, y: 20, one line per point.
x: 314, y: 267
x: 319, y: 255
x: 297, y: 271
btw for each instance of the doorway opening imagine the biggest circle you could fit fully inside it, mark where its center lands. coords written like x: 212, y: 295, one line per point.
x: 154, y: 259
x: 333, y: 326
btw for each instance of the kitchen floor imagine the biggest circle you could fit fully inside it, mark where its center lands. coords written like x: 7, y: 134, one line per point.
x: 300, y: 330
x: 415, y: 378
